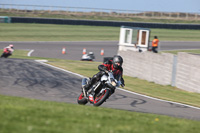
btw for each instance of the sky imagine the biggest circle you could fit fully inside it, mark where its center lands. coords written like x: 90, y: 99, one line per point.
x: 141, y: 5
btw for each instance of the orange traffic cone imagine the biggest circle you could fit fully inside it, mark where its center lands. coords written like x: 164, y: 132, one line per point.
x: 84, y: 51
x: 64, y: 51
x: 102, y: 51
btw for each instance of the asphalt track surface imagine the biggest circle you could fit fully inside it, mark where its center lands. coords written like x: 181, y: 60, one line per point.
x: 74, y: 50
x: 31, y: 79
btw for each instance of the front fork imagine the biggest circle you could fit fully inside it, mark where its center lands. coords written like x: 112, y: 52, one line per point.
x: 84, y: 82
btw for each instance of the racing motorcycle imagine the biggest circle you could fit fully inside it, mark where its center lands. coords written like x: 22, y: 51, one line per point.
x: 100, y: 91
x: 88, y: 57
x: 6, y: 53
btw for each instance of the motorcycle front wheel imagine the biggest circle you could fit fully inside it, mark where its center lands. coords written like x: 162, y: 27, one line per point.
x: 81, y: 99
x: 101, y: 97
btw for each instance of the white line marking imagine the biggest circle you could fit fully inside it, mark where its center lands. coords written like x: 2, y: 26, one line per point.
x: 30, y: 52
x: 42, y: 62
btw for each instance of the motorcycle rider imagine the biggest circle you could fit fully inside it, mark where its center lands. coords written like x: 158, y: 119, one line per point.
x: 115, y: 65
x: 8, y: 51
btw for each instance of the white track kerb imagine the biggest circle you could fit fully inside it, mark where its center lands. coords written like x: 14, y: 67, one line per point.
x: 43, y: 62
x: 30, y: 52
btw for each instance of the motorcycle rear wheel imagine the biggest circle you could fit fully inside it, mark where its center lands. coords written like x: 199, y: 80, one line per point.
x: 81, y: 99
x: 99, y: 99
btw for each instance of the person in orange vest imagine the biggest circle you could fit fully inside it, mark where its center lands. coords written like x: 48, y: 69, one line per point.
x: 155, y: 44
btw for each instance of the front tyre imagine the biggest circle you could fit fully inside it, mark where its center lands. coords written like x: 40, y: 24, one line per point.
x: 81, y: 99
x: 101, y: 98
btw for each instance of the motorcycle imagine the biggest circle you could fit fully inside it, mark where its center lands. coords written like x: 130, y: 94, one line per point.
x: 88, y: 57
x: 6, y: 53
x: 100, y: 91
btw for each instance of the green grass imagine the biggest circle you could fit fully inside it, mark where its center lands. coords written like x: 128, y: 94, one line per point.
x: 197, y: 51
x: 50, y: 32
x: 21, y: 115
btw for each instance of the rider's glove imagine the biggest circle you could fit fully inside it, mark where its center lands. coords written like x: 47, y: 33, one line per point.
x: 106, y: 71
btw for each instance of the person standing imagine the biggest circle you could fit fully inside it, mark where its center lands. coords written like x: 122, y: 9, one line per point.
x: 155, y: 44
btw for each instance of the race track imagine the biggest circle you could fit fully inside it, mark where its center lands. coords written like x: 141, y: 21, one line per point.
x: 31, y: 79
x: 74, y: 49
x: 27, y: 78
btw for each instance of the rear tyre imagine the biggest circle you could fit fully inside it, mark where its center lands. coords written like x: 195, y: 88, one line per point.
x: 101, y: 98
x: 81, y: 99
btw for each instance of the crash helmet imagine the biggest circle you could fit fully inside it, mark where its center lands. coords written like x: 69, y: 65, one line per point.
x: 11, y: 46
x: 117, y: 61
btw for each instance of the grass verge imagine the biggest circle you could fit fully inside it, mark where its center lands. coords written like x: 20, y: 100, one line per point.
x: 20, y: 115
x: 51, y: 32
x: 197, y: 51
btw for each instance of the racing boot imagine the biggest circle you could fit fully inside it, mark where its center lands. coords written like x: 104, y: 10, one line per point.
x: 91, y: 82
